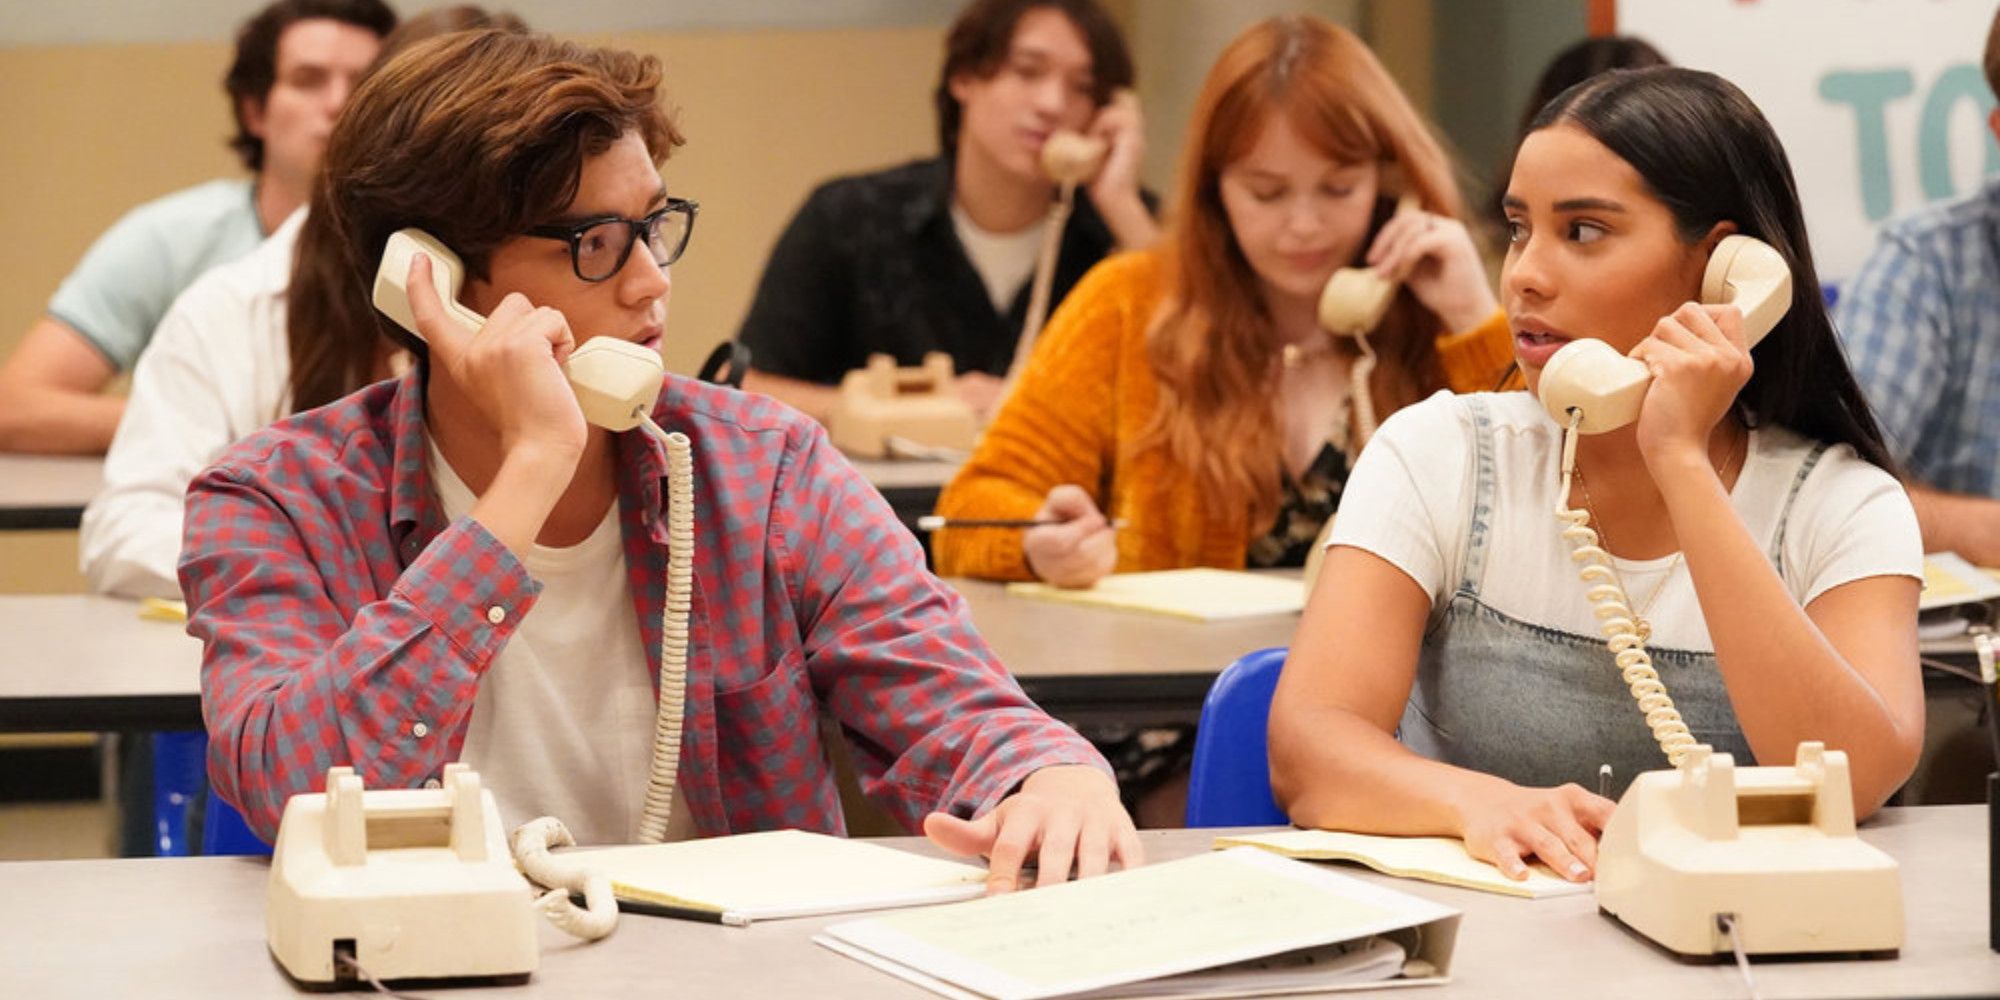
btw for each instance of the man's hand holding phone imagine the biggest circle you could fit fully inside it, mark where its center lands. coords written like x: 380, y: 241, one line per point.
x: 510, y: 372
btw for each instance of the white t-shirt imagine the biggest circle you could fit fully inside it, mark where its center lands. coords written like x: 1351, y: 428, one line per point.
x: 1410, y: 499
x: 1004, y: 260
x: 563, y: 722
x: 217, y: 369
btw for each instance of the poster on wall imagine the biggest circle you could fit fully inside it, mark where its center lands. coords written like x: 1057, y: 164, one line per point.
x: 1882, y: 106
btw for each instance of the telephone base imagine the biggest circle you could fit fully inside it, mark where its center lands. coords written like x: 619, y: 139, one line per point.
x: 1775, y: 846
x: 1727, y: 956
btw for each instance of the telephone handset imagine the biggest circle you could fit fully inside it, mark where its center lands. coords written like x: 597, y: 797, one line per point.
x: 1352, y: 305
x: 1072, y: 158
x: 616, y: 384
x: 616, y: 381
x: 1607, y: 388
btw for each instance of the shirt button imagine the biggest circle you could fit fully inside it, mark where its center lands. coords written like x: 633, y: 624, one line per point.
x: 419, y: 730
x: 433, y: 783
x: 496, y: 614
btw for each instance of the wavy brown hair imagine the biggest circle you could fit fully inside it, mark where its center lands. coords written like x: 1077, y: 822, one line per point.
x: 1213, y: 346
x: 473, y: 137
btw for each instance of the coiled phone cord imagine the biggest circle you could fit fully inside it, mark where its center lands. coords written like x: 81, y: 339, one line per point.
x: 1614, y: 613
x: 673, y: 635
x: 1362, y: 396
x: 532, y: 840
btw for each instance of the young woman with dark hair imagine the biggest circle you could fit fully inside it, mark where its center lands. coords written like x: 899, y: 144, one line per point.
x: 1449, y: 676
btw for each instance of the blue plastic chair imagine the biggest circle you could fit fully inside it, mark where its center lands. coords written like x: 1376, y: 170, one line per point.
x: 180, y: 771
x: 1230, y: 780
x: 180, y: 760
x: 224, y: 831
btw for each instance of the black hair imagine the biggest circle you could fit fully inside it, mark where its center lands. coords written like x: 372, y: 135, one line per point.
x: 255, y: 68
x: 1709, y: 155
x: 978, y: 42
x: 1571, y: 66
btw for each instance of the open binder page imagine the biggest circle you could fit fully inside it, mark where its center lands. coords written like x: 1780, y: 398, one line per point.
x: 1201, y: 595
x: 1432, y: 859
x: 1123, y: 935
x: 1949, y: 580
x: 781, y: 873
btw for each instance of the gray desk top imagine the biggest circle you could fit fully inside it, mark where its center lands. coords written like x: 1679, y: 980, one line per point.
x: 75, y: 661
x: 194, y: 927
x: 45, y: 491
x: 86, y: 662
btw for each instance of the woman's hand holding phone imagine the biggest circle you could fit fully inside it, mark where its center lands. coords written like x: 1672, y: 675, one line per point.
x: 1699, y: 362
x: 1436, y: 257
x: 1079, y: 550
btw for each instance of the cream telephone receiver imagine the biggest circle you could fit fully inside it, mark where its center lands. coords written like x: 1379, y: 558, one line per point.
x: 379, y: 901
x: 1352, y: 305
x: 1591, y: 379
x: 1069, y: 159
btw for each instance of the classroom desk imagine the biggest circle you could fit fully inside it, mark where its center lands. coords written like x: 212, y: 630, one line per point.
x: 1082, y: 662
x: 195, y: 927
x: 82, y: 662
x: 43, y: 492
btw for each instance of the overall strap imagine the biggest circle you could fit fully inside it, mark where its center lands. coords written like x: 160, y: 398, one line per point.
x: 1479, y: 527
x: 1791, y: 498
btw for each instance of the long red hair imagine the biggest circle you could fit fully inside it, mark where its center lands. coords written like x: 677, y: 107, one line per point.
x: 1213, y: 346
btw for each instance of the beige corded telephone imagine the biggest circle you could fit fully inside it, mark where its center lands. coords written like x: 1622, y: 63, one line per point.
x: 363, y: 876
x: 1710, y: 858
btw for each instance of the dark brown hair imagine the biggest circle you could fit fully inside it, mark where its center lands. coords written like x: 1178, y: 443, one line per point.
x: 978, y: 41
x: 473, y: 137
x: 1212, y: 345
x: 255, y: 68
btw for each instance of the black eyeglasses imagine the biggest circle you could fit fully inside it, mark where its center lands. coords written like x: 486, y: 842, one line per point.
x: 598, y: 247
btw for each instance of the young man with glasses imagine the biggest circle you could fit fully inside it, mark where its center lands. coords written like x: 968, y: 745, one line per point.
x: 296, y: 61
x: 454, y: 565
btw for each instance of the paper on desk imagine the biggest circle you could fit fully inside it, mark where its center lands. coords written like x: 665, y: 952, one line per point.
x: 781, y: 873
x: 160, y: 609
x: 1140, y: 925
x: 1432, y: 859
x: 1949, y: 580
x: 1201, y: 595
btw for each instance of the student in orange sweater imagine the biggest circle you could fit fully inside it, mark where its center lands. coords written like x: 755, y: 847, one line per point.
x: 1189, y: 391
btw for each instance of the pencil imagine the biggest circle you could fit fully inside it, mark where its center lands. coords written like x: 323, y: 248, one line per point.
x: 933, y: 522
x: 665, y: 910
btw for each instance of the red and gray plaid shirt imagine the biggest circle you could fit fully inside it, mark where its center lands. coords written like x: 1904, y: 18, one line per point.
x: 344, y: 622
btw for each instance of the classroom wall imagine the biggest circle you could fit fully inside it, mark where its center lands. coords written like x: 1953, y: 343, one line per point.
x: 768, y: 113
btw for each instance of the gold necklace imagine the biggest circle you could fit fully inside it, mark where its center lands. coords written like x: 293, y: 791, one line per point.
x: 1296, y: 355
x: 1640, y: 624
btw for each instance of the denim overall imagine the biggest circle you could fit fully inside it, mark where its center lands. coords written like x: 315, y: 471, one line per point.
x: 1540, y: 706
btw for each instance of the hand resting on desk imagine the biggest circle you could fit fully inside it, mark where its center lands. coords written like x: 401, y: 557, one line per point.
x: 1070, y: 811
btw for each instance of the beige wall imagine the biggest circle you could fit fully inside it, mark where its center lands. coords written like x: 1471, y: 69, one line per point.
x: 99, y: 129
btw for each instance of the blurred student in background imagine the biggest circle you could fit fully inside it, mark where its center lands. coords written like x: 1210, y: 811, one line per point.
x: 248, y: 342
x: 1921, y: 323
x: 1189, y: 391
x: 936, y: 255
x: 296, y: 61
